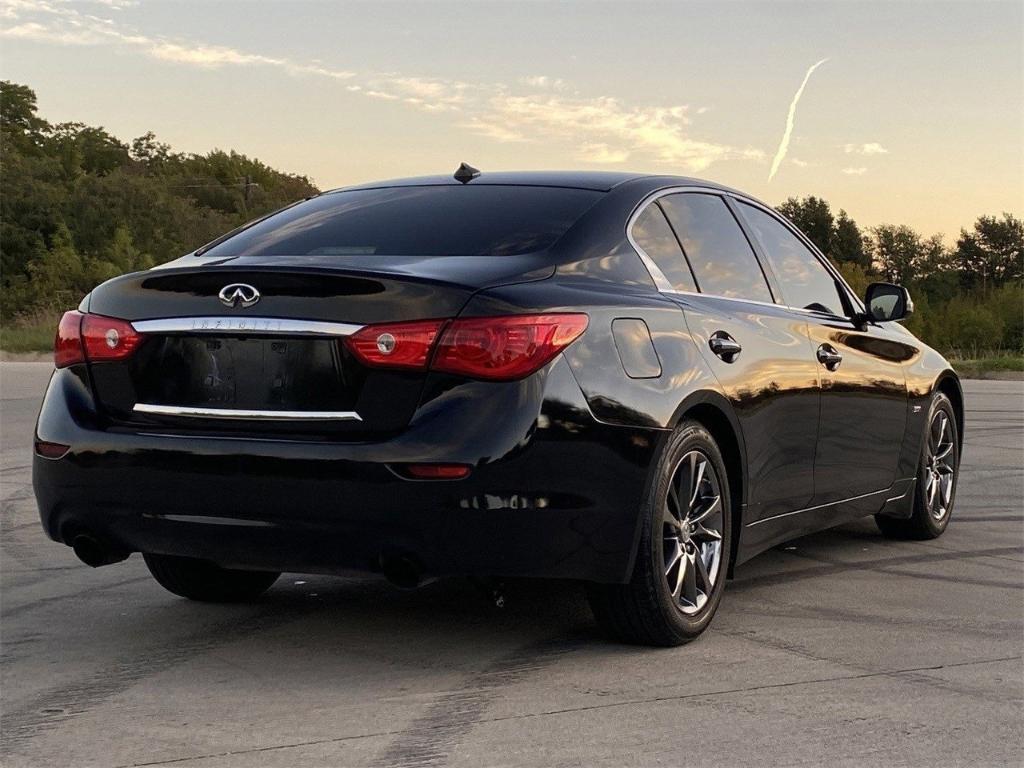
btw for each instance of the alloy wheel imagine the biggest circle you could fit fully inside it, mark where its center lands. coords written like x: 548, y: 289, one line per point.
x: 692, y: 532
x: 940, y: 466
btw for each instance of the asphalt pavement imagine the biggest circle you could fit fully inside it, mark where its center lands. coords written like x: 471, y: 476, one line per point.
x: 840, y: 648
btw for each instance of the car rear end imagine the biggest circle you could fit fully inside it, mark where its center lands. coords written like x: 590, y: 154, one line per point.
x: 337, y: 388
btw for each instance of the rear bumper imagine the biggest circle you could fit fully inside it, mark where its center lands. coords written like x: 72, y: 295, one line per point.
x: 553, y: 492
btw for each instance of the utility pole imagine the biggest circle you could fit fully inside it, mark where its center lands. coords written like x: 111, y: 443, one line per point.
x: 246, y: 193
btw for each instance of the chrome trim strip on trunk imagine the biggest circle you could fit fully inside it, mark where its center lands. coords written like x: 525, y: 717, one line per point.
x: 250, y: 326
x: 196, y: 412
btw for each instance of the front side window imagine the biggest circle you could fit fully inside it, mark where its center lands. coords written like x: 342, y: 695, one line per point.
x: 723, y: 261
x: 442, y: 220
x: 804, y: 281
x: 652, y: 233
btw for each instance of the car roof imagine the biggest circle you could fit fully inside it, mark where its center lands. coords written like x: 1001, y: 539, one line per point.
x: 601, y: 181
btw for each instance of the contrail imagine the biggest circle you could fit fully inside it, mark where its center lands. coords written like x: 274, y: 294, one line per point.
x: 784, y: 144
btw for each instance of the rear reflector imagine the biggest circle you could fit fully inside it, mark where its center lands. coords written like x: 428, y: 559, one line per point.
x: 434, y: 471
x: 95, y: 338
x: 51, y: 450
x: 395, y: 345
x: 505, y: 348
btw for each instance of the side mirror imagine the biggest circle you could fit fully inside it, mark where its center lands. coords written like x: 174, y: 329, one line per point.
x: 886, y: 302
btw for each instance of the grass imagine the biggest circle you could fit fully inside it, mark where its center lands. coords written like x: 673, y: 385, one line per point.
x: 37, y: 337
x: 979, y: 366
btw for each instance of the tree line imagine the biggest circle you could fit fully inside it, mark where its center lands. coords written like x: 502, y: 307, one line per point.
x: 78, y: 206
x: 968, y: 298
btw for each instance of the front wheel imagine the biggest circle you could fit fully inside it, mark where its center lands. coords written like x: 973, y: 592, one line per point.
x: 683, y: 554
x: 205, y: 581
x: 937, y: 473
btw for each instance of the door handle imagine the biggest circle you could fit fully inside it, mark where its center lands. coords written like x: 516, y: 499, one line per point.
x: 725, y: 346
x: 829, y: 356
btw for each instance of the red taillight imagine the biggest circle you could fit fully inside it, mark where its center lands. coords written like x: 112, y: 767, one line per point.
x: 505, y: 348
x: 107, y: 338
x: 395, y: 345
x: 494, y: 348
x: 67, y: 345
x: 95, y: 338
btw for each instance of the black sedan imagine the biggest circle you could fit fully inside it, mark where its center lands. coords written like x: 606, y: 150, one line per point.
x: 635, y: 381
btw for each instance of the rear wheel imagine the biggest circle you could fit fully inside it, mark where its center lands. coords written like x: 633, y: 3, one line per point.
x: 937, y: 473
x: 683, y: 555
x: 205, y: 581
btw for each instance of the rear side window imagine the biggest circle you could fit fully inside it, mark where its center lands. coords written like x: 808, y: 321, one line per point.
x: 723, y: 261
x: 805, y: 282
x: 463, y: 220
x: 652, y: 233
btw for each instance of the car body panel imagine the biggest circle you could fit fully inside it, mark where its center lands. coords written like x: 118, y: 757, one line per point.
x: 773, y: 387
x: 287, y: 504
x: 864, y: 409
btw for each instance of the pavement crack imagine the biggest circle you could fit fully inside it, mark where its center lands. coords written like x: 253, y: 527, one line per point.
x: 53, y: 707
x: 430, y: 737
x: 885, y: 568
x: 831, y: 567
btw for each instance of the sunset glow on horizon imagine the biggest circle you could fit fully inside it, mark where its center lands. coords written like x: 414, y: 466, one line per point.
x: 916, y: 118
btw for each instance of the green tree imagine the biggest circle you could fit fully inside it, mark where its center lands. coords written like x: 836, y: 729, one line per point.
x: 79, y: 206
x: 897, y: 251
x: 153, y: 154
x: 847, y: 242
x: 856, y: 276
x: 838, y: 237
x: 21, y: 127
x: 813, y: 217
x: 993, y: 253
x: 83, y: 149
x: 123, y: 254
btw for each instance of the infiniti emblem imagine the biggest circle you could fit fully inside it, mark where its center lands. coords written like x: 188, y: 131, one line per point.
x: 238, y: 295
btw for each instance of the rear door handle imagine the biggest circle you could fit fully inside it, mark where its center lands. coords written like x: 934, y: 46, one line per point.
x: 725, y: 346
x: 829, y: 356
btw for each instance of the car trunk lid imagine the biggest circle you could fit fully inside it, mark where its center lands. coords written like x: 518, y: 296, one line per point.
x: 278, y: 365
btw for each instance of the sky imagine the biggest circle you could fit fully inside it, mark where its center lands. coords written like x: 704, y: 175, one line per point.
x: 898, y: 112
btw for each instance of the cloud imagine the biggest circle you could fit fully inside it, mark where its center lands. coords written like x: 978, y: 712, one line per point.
x: 855, y: 171
x: 602, y: 153
x: 871, y: 148
x: 543, y: 81
x: 32, y: 30
x: 205, y: 55
x: 799, y: 163
x: 540, y: 108
x: 430, y: 94
x: 57, y: 22
x: 617, y: 130
x: 780, y: 155
x: 492, y: 129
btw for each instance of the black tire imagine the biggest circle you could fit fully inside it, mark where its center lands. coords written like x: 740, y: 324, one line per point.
x: 207, y: 582
x: 925, y: 522
x: 646, y: 611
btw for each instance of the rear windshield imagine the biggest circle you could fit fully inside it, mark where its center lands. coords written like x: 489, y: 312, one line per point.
x: 471, y: 220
